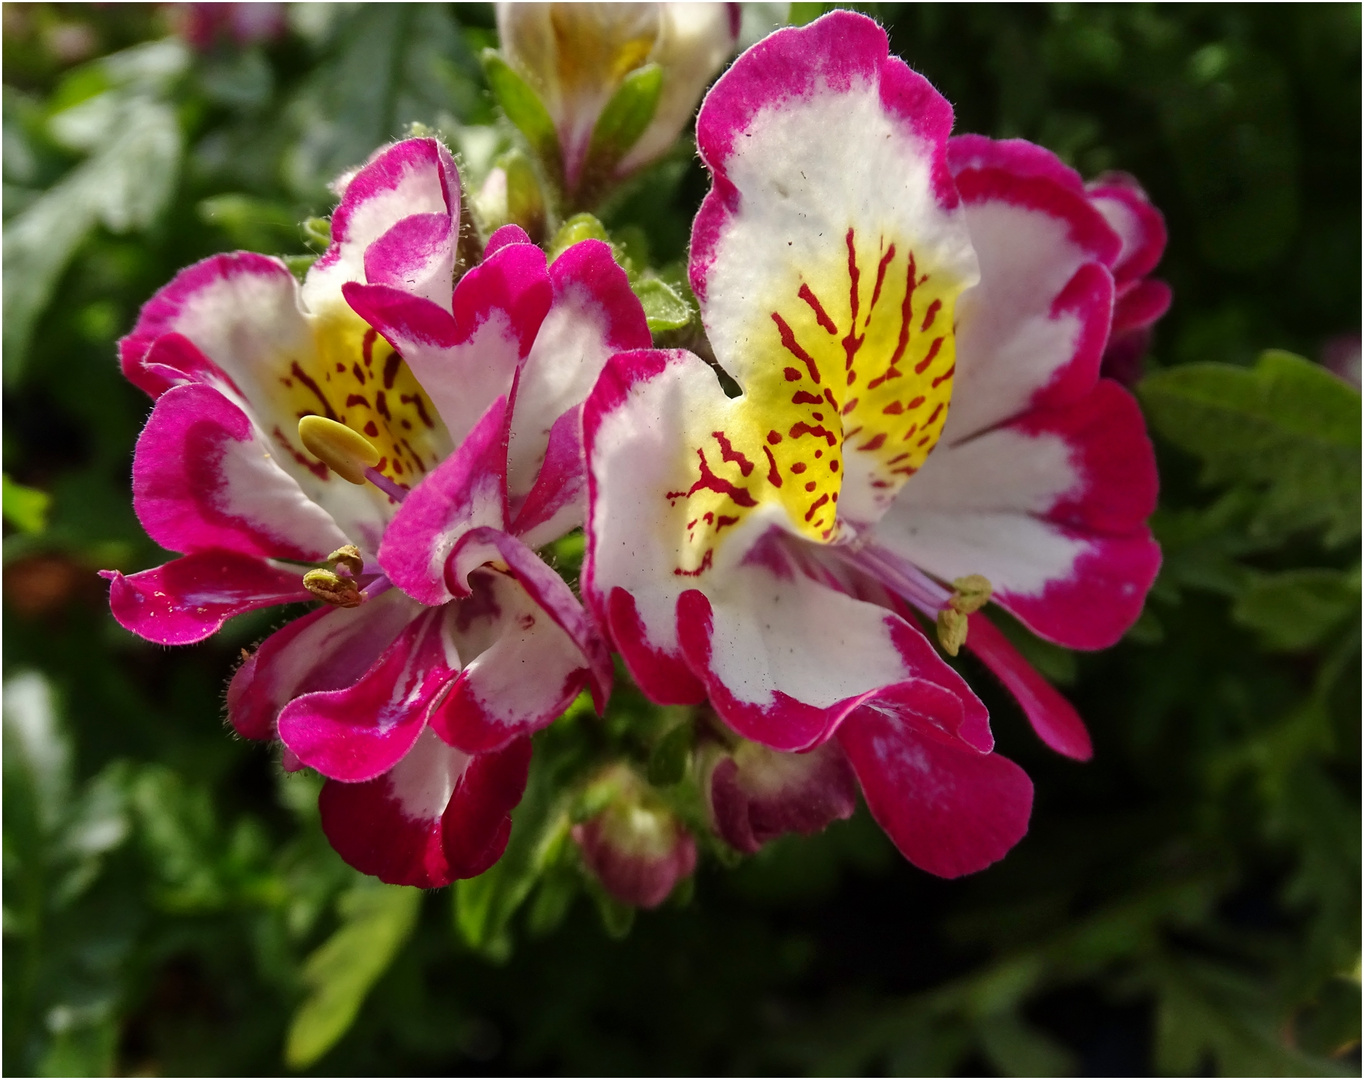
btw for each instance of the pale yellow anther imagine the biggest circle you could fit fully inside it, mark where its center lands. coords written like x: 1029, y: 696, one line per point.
x: 347, y: 453
x: 972, y: 593
x: 333, y: 588
x: 952, y: 627
x: 348, y: 556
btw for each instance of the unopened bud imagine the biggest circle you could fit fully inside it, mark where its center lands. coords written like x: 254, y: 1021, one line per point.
x: 636, y: 846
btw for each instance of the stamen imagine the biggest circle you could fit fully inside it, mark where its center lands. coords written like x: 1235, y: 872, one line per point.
x: 335, y: 589
x: 971, y: 593
x: 347, y: 453
x: 952, y: 626
x: 348, y: 556
x: 384, y: 484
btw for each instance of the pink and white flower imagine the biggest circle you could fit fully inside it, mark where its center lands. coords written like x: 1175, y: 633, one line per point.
x: 423, y: 438
x: 859, y: 273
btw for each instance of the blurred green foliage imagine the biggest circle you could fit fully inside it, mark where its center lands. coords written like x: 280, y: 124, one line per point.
x: 1187, y: 902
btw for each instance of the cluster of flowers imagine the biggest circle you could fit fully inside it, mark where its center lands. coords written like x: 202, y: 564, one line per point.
x: 916, y: 324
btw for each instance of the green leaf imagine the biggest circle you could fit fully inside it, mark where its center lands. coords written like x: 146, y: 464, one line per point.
x: 664, y: 307
x: 1019, y: 1049
x: 1297, y: 609
x: 1287, y: 424
x: 376, y: 922
x: 123, y: 185
x: 523, y: 107
x: 484, y: 905
x: 668, y: 761
x: 25, y: 508
x: 388, y: 65
x: 625, y: 117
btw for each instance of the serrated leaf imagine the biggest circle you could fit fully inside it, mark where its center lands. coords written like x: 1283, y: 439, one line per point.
x: 377, y: 920
x: 1297, y: 609
x: 522, y: 106
x: 664, y: 307
x: 1285, y: 424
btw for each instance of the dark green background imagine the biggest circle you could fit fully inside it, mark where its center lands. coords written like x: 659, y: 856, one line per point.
x: 1187, y: 902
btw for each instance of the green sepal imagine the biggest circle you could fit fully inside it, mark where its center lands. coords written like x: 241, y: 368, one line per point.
x: 664, y: 307
x: 522, y: 106
x: 576, y: 229
x: 317, y: 231
x: 625, y: 117
x: 299, y: 265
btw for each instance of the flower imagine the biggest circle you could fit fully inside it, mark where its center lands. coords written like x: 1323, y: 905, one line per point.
x: 1138, y: 300
x: 577, y: 56
x: 288, y: 430
x: 635, y: 846
x: 858, y: 274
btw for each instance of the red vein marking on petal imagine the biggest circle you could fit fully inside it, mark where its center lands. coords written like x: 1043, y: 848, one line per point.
x: 792, y: 375
x: 705, y: 565
x: 936, y: 413
x: 358, y: 399
x: 880, y: 280
x: 804, y: 397
x: 930, y: 315
x: 773, y: 473
x: 710, y: 482
x: 315, y: 467
x: 833, y: 467
x: 916, y: 402
x: 391, y: 369
x: 944, y: 376
x: 308, y: 381
x: 773, y: 437
x: 802, y: 428
x: 910, y: 433
x: 372, y: 429
x: 815, y: 506
x: 789, y: 342
x: 799, y: 467
x: 381, y: 405
x: 723, y: 520
x: 850, y: 406
x: 367, y: 346
x: 893, y: 409
x: 358, y: 372
x: 875, y: 442
x: 821, y: 316
x: 810, y: 485
x: 922, y: 365
x: 728, y: 453
x: 419, y: 401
